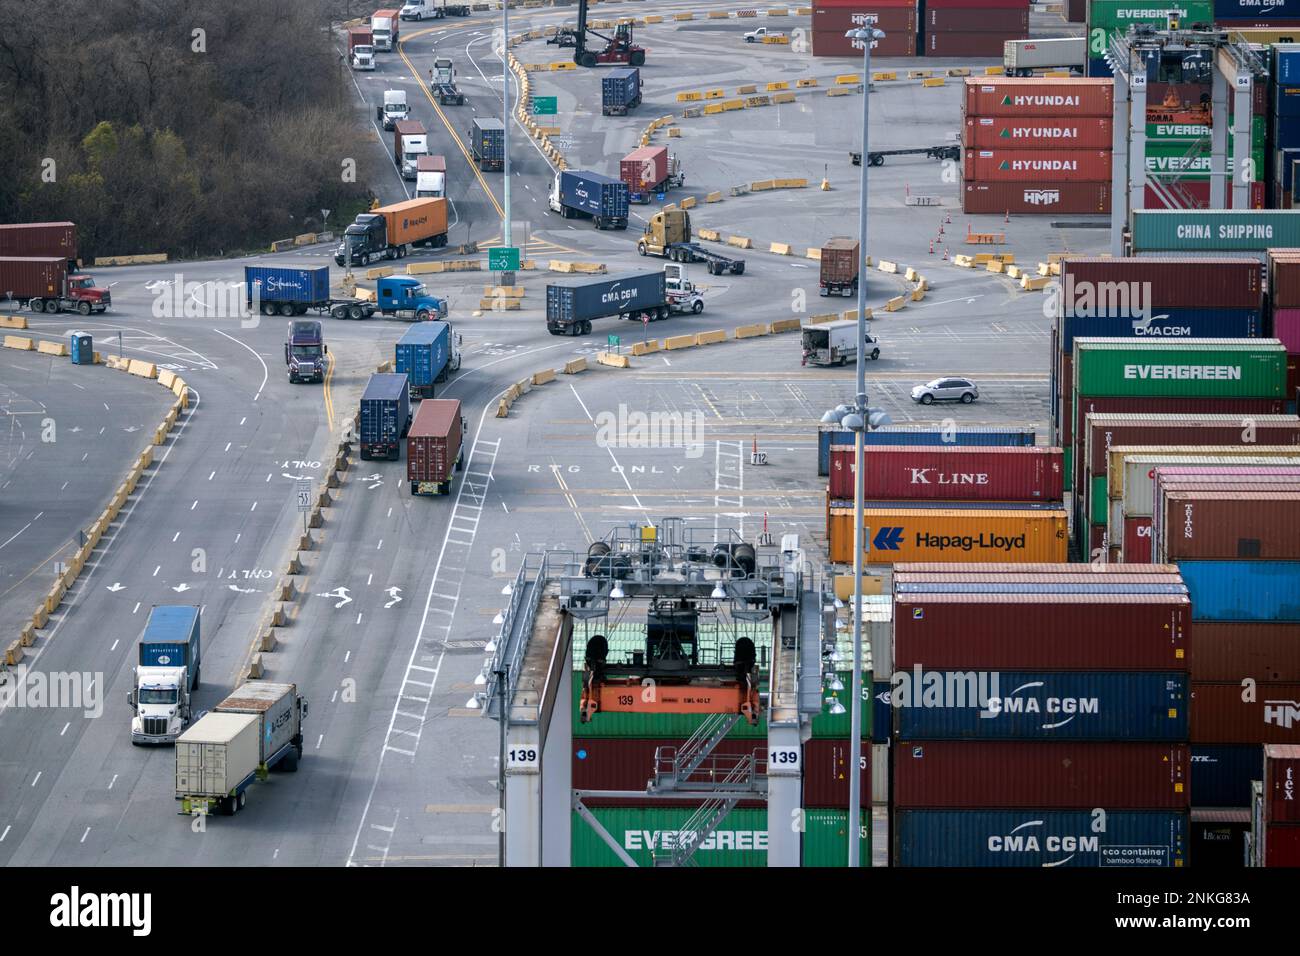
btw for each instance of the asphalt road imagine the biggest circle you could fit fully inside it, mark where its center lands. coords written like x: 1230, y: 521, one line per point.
x: 401, y: 592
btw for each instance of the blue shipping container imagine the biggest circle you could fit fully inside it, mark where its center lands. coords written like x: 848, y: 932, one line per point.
x: 881, y: 717
x: 1243, y: 590
x: 919, y: 435
x: 1221, y: 775
x: 299, y: 286
x: 421, y: 353
x: 487, y: 140
x: 1256, y: 11
x: 620, y: 88
x: 1286, y: 59
x: 1166, y: 324
x: 1286, y: 133
x: 385, y: 411
x: 1020, y: 705
x: 594, y: 194
x: 1098, y: 66
x: 1132, y: 839
x: 171, y: 636
x: 1282, y: 158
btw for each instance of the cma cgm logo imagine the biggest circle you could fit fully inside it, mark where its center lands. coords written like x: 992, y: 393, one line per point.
x: 1042, y: 197
x: 1053, y: 709
x: 1029, y: 838
x: 1284, y: 713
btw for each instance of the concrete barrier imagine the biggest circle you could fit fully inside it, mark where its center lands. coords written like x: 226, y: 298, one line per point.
x: 778, y: 12
x: 711, y: 337
x: 750, y: 331
x: 995, y: 71
x: 380, y: 273
x: 544, y: 376
x: 645, y: 348
x: 713, y: 197
x: 499, y: 304
x: 791, y: 183
x: 813, y: 253
x: 689, y: 96
x: 674, y: 131
x: 146, y: 259
x: 682, y: 16
x: 679, y: 342
x: 1034, y: 283
x: 13, y: 322
x: 848, y: 79
x: 780, y: 85
x: 896, y: 303
x: 910, y: 275
x: 806, y: 82
x: 917, y: 294
x: 27, y: 636
x: 712, y: 235
x: 41, y: 617
x: 823, y: 317
x: 52, y: 348
x: 883, y: 76
x: 719, y: 14
x: 1015, y: 272
x: 781, y: 249
x: 14, y: 653
x: 838, y: 91
x: 777, y: 40
x: 740, y: 242
x: 715, y: 94
x: 762, y: 185
x: 934, y: 81
x: 19, y: 342
x: 754, y: 101
x: 994, y: 266
x: 166, y: 378
x: 613, y: 360
x: 142, y: 368
x: 783, y: 98
x: 386, y: 366
x: 711, y: 109
x: 576, y: 366
x: 689, y: 202
x: 959, y: 71
x: 887, y: 266
x: 965, y: 262
x: 785, y: 325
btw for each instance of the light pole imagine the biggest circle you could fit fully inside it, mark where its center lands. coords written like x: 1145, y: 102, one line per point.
x: 506, y: 278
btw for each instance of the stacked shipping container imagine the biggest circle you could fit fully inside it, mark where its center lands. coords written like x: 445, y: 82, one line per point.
x: 1044, y: 160
x: 972, y: 27
x: 1276, y: 832
x: 831, y: 19
x: 1284, y: 308
x: 1105, y: 17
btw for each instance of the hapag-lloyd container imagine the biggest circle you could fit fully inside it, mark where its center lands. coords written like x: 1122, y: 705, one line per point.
x: 1037, y: 197
x: 984, y: 437
x: 1052, y: 774
x: 1036, y: 165
x: 1220, y: 716
x: 1233, y: 651
x: 961, y: 473
x: 1264, y: 591
x: 1133, y: 839
x: 1042, y: 631
x: 1221, y: 773
x: 1040, y: 705
x: 911, y: 534
x: 1232, y: 524
x: 1101, y: 286
x: 1281, y: 784
x: 1207, y: 368
x: 1037, y: 97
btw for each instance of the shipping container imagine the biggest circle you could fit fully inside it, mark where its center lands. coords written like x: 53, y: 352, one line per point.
x: 1233, y: 524
x: 1254, y: 11
x: 434, y: 446
x: 216, y: 754
x: 421, y: 355
x: 947, y: 473
x: 1106, y: 431
x: 171, y: 636
x: 1243, y: 590
x: 1070, y: 570
x: 1130, y: 469
x: 920, y: 435
x: 975, y: 4
x: 1133, y: 839
x: 1124, y: 286
x: 644, y: 168
x: 912, y: 534
x: 1281, y: 783
x: 1281, y: 845
x: 415, y: 221
x: 1221, y: 774
x: 1002, y: 132
x: 487, y: 143
x: 628, y: 763
x: 278, y: 285
x: 1218, y: 838
x: 385, y: 415
x: 1199, y: 192
x: 1052, y: 774
x: 1234, y: 651
x: 890, y: 19
x: 277, y: 708
x: 1164, y: 323
x: 1038, y: 97
x: 1040, y: 705
x: 1286, y: 329
x: 1191, y: 406
x: 579, y: 300
x: 1081, y: 584
x: 1254, y: 368
x: 620, y: 91
x: 826, y: 837
x: 740, y: 840
x: 1270, y: 716
x: 964, y: 43
x: 25, y: 278
x: 1284, y: 279
x: 1042, y: 631
x: 601, y: 197
x: 1035, y: 165
x: 1214, y: 230
x: 838, y: 268
x: 39, y: 240
x: 826, y: 763
x: 826, y: 725
x: 402, y: 129
x: 1050, y: 197
x: 1012, y: 22
x: 664, y: 725
x: 1110, y: 15
x: 882, y: 722
x: 834, y: 43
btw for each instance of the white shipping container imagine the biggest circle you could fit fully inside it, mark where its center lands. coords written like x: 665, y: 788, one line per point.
x: 880, y: 774
x: 215, y: 754
x: 274, y: 707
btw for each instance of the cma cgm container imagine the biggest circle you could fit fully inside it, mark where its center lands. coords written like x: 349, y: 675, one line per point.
x: 1192, y: 368
x: 1243, y: 590
x: 435, y: 446
x: 1282, y: 783
x: 1039, y: 197
x: 1040, y: 705
x: 1133, y: 839
x: 1235, y: 650
x: 1232, y: 524
x: 962, y: 473
x: 1005, y: 132
x: 1098, y: 286
x: 1027, y: 97
x: 1032, y: 631
x: 920, y: 435
x: 571, y: 304
x: 385, y: 416
x: 1163, y: 323
x: 1220, y: 716
x: 1036, y: 165
x: 1052, y: 774
x: 940, y: 534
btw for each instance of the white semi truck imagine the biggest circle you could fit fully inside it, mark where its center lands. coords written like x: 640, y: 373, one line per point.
x: 166, y: 675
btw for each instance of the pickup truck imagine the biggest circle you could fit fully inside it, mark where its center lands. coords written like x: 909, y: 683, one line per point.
x: 757, y: 36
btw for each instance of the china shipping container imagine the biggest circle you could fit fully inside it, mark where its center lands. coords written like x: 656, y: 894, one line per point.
x: 37, y: 240
x: 1207, y: 368
x: 1233, y: 651
x: 1243, y: 590
x: 1010, y: 21
x: 644, y: 168
x: 1221, y: 773
x: 433, y: 446
x: 1036, y: 165
x: 1039, y: 197
x: 1165, y: 283
x: 964, y: 43
x: 938, y: 472
x: 1281, y: 783
x: 1046, y: 705
x: 628, y: 763
x: 1134, y: 839
x: 910, y: 534
x: 1233, y: 524
x: 1052, y: 774
x: 1037, y: 97
x: 1042, y: 631
x: 901, y: 42
x: 1002, y: 132
x: 1220, y: 716
x: 920, y: 435
x: 1213, y: 230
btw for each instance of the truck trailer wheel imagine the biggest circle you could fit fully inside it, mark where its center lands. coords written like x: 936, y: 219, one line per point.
x: 640, y: 248
x: 83, y: 308
x: 356, y: 312
x: 38, y: 305
x: 738, y: 269
x: 286, y: 309
x: 637, y: 59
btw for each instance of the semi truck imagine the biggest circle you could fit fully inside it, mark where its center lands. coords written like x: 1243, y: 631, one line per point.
x: 406, y: 297
x: 431, y: 10
x: 410, y: 142
x: 394, y: 109
x: 435, y: 446
x: 361, y: 48
x: 391, y: 232
x: 840, y: 264
x: 487, y: 143
x: 426, y: 354
x: 385, y: 416
x: 835, y: 343
x: 287, y: 291
x: 254, y: 731
x: 1022, y: 57
x: 430, y: 177
x: 167, y: 673
x: 572, y: 304
x: 50, y: 284
x: 682, y: 294
x: 584, y: 193
x: 648, y: 170
x: 442, y: 82
x: 305, y: 351
x: 620, y: 91
x: 668, y: 236
x: 384, y: 26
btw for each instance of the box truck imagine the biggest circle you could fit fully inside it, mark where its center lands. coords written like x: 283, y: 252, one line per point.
x: 390, y: 232
x: 426, y: 354
x: 46, y: 284
x: 840, y: 263
x: 835, y: 343
x: 584, y: 193
x: 385, y: 416
x: 572, y: 304
x: 430, y: 177
x: 305, y: 351
x: 169, y: 659
x: 435, y: 446
x: 487, y: 143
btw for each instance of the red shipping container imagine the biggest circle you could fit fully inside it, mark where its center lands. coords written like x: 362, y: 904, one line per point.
x: 39, y: 239
x: 1286, y: 328
x: 1090, y: 405
x: 826, y: 763
x: 27, y: 276
x: 1281, y: 783
x: 1076, y: 11
x: 957, y: 473
x: 1293, y: 376
x: 1173, y: 283
x: 644, y: 168
x: 628, y: 763
x: 1042, y: 774
x: 1282, y: 845
x: 1102, y: 632
x: 928, y: 568
x: 1038, y: 96
x: 835, y: 43
x: 1284, y: 278
x: 1199, y: 190
x: 1230, y: 525
x: 1004, y: 132
x: 965, y: 43
x: 1008, y: 20
x: 1137, y: 540
x: 1230, y: 652
x: 1220, y: 716
x: 860, y: 4
x: 1035, y: 165
x: 433, y: 441
x: 889, y: 19
x: 1038, y: 198
x: 976, y: 4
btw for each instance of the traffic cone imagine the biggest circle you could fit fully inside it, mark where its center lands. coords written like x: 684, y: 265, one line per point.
x: 947, y: 217
x: 1007, y: 217
x: 941, y: 229
x: 945, y: 253
x: 931, y: 247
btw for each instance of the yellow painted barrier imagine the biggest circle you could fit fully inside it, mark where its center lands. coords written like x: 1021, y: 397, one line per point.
x: 1015, y: 272
x: 790, y: 183
x: 166, y: 378
x: 959, y: 71
x: 748, y: 88
x: 887, y: 266
x: 894, y: 304
x: 52, y: 348
x: 785, y: 325
x: 679, y: 342
x: 1057, y: 74
x: 714, y: 94
x: 712, y: 108
x: 13, y: 322
x: 564, y: 65
x: 674, y: 131
x: 936, y: 81
x: 576, y: 366
x: 994, y: 266
x: 498, y: 304
x: 712, y: 337
x: 966, y: 262
x: 712, y: 235
x: 654, y: 18
x: 838, y: 91
x: 688, y: 202
x: 918, y: 294
x: 729, y: 105
x: 776, y: 40
x: 762, y: 184
x: 380, y: 273
x: 804, y: 11
x: 783, y: 98
x: 778, y: 12
x: 750, y: 331
x: 995, y: 71
x: 740, y: 242
x: 781, y: 249
x: 713, y: 197
x: 807, y: 81
x: 689, y: 96
x: 613, y: 360
x: 645, y: 348
x: 813, y: 253
x: 719, y: 14
x: 19, y: 342
x: 143, y: 369
x: 884, y: 76
x: 847, y: 79
x: 910, y: 275
x: 782, y: 85
x: 1034, y: 283
x: 917, y: 74
x: 151, y: 258
x: 681, y: 16
x: 851, y: 315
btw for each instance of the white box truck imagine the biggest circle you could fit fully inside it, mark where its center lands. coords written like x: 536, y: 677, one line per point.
x: 1022, y: 57
x: 835, y: 343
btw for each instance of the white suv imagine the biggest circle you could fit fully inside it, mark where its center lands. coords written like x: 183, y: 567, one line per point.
x: 946, y: 390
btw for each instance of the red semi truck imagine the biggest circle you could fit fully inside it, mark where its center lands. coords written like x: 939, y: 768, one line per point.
x: 38, y: 267
x: 434, y: 446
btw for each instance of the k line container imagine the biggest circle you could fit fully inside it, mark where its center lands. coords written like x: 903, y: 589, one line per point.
x: 941, y: 534
x: 946, y: 473
x: 1234, y: 651
x: 1048, y: 774
x: 1038, y: 197
x: 920, y: 435
x: 1037, y: 97
x: 1266, y: 591
x: 1134, y: 839
x: 1221, y: 773
x: 1099, y: 631
x: 740, y: 840
x: 1281, y: 784
x: 1226, y: 525
x: 1041, y: 705
x: 994, y: 132
x: 1035, y: 165
x: 1220, y: 716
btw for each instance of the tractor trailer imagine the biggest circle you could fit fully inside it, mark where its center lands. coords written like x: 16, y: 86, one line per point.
x: 584, y: 193
x: 572, y: 304
x: 166, y: 674
x: 390, y: 232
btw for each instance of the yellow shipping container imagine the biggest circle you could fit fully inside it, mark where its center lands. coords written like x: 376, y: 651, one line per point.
x: 933, y: 534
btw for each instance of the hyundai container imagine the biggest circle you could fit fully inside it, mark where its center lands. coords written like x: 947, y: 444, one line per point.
x: 829, y: 435
x: 423, y: 355
x: 1264, y: 591
x: 963, y: 473
x: 572, y: 304
x: 1271, y: 715
x: 975, y: 704
x: 1038, y: 197
x: 1036, y: 165
x: 1033, y: 97
x: 1052, y: 774
x: 953, y: 42
x: 910, y: 534
x: 39, y: 240
x: 1042, y: 631
x: 833, y: 42
x: 385, y: 416
x: 1132, y: 840
x: 890, y: 16
x: 1004, y: 132
x: 1281, y: 783
x: 1213, y: 230
x: 435, y: 446
x: 286, y: 290
x: 620, y: 91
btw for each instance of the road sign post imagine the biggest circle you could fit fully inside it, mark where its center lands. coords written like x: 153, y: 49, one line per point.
x: 304, y: 500
x: 503, y: 259
x: 614, y: 342
x: 545, y: 106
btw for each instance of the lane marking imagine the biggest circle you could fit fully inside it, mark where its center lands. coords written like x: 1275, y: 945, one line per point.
x: 255, y: 355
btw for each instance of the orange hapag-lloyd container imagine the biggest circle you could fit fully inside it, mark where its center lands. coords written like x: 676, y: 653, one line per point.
x: 932, y: 534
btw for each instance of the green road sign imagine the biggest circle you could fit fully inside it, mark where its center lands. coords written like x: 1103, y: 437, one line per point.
x: 503, y: 259
x: 612, y: 341
x: 544, y: 106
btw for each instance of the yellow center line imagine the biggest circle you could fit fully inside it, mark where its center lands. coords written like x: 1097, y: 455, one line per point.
x: 329, y: 401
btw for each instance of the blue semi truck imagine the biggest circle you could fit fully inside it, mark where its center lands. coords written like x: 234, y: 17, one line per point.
x: 427, y: 354
x: 166, y: 675
x: 385, y: 416
x: 583, y: 193
x: 279, y: 290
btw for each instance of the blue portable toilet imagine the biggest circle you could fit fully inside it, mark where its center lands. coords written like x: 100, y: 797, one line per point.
x: 82, y: 348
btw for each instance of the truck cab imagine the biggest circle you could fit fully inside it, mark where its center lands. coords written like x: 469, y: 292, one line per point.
x: 682, y: 294
x: 363, y: 57
x: 405, y: 297
x: 383, y: 27
x: 420, y: 10
x: 430, y: 180
x: 365, y: 238
x: 413, y: 147
x: 80, y: 294
x: 664, y: 230
x: 395, y: 108
x: 305, y: 351
x: 756, y: 36
x: 166, y: 676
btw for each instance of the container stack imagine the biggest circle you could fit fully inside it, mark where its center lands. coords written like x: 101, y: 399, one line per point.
x: 972, y: 27
x: 1043, y: 160
x: 977, y: 436
x: 1284, y: 308
x: 1024, y: 702
x: 1284, y: 121
x: 1105, y: 17
x: 1275, y: 831
x: 831, y: 19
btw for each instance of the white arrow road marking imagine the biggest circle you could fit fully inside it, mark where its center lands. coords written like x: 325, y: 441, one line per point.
x: 130, y: 428
x: 181, y: 588
x: 339, y: 592
x: 376, y: 478
x: 115, y: 587
x: 393, y: 593
x: 285, y: 474
x: 236, y: 587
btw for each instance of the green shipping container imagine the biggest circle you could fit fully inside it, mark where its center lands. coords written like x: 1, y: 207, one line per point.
x: 1100, y: 502
x: 1214, y: 230
x: 673, y: 726
x: 826, y: 838
x: 1106, y: 16
x: 827, y: 724
x: 1172, y: 157
x: 740, y: 840
x: 1192, y: 368
x: 1190, y: 132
